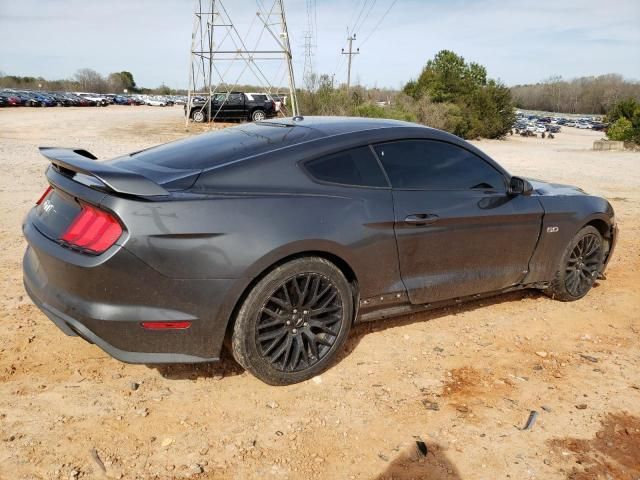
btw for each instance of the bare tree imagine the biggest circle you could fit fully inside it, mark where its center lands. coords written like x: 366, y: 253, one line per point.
x: 580, y: 95
x: 91, y: 81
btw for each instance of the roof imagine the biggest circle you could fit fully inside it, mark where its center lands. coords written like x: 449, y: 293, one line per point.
x: 230, y: 144
x: 327, y: 126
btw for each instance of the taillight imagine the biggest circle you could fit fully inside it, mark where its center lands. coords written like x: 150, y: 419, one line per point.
x: 44, y: 195
x: 93, y: 230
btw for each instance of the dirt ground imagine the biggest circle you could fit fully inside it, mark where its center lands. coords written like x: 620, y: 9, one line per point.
x: 462, y: 380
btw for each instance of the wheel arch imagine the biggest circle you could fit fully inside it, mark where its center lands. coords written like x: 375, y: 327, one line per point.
x: 601, y: 225
x: 255, y: 109
x: 337, y: 260
x: 609, y: 236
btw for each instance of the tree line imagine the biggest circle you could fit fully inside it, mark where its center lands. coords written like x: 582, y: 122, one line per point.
x: 588, y: 95
x: 450, y: 94
x: 84, y: 80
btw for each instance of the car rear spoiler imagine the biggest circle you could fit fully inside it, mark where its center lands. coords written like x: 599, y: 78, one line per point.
x: 114, y: 178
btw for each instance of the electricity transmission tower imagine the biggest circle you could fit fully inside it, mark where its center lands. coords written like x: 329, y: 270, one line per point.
x: 307, y: 73
x: 309, y: 45
x: 221, y: 57
x: 351, y: 53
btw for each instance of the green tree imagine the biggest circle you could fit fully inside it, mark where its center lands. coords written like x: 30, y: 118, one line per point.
x: 120, y: 81
x: 624, y: 108
x: 164, y: 90
x: 484, y: 107
x: 625, y: 118
x: 621, y: 130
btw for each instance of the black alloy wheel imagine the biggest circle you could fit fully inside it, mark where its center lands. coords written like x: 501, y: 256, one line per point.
x: 293, y: 322
x: 583, y: 265
x: 299, y: 322
x: 579, y: 267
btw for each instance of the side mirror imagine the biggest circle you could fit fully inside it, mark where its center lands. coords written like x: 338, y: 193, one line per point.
x: 519, y: 186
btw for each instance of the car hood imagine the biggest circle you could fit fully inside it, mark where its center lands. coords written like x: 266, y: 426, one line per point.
x: 545, y: 188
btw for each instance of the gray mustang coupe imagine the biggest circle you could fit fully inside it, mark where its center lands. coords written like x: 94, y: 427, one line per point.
x: 277, y: 236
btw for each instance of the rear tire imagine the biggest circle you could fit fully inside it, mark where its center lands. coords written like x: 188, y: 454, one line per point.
x: 258, y: 115
x: 293, y: 322
x: 579, y: 267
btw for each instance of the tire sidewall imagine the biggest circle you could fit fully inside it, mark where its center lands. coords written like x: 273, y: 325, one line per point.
x: 244, y: 344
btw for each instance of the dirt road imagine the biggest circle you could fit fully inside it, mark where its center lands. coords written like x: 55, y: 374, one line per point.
x: 462, y: 380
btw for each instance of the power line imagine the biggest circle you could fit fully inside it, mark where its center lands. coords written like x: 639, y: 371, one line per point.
x: 379, y: 23
x: 358, y: 27
x: 353, y: 15
x: 364, y: 5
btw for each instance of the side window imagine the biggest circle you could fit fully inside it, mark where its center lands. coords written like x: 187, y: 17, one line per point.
x: 434, y: 165
x: 357, y: 166
x: 236, y: 99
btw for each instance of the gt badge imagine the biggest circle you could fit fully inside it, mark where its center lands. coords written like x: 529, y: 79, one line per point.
x: 552, y: 229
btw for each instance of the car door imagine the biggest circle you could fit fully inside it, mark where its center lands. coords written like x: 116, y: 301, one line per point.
x: 218, y: 106
x: 457, y: 229
x: 235, y: 106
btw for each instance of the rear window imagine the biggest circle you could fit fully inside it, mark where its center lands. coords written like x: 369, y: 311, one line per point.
x: 213, y: 149
x: 357, y: 166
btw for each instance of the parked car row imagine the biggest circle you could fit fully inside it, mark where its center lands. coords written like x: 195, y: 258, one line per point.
x: 535, y: 126
x: 32, y: 98
x: 581, y: 123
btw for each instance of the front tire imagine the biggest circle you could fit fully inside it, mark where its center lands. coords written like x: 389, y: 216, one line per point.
x: 579, y: 267
x: 293, y: 322
x: 198, y: 116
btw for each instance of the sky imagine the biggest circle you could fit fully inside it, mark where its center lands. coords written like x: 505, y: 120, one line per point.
x: 517, y: 41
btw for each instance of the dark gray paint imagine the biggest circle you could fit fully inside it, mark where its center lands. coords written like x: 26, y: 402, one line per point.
x: 194, y: 253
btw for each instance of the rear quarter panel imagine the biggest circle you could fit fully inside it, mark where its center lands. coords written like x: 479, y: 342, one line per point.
x: 238, y: 236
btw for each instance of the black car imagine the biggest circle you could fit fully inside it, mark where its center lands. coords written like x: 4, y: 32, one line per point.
x: 279, y: 235
x: 231, y: 106
x: 62, y: 99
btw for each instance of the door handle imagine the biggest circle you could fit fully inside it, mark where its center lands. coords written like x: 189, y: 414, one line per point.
x: 421, y: 219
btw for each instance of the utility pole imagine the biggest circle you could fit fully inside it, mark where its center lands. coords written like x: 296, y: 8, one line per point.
x: 286, y: 50
x: 351, y: 53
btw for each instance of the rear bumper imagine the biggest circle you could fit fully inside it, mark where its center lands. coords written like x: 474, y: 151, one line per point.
x: 105, y: 301
x: 73, y: 327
